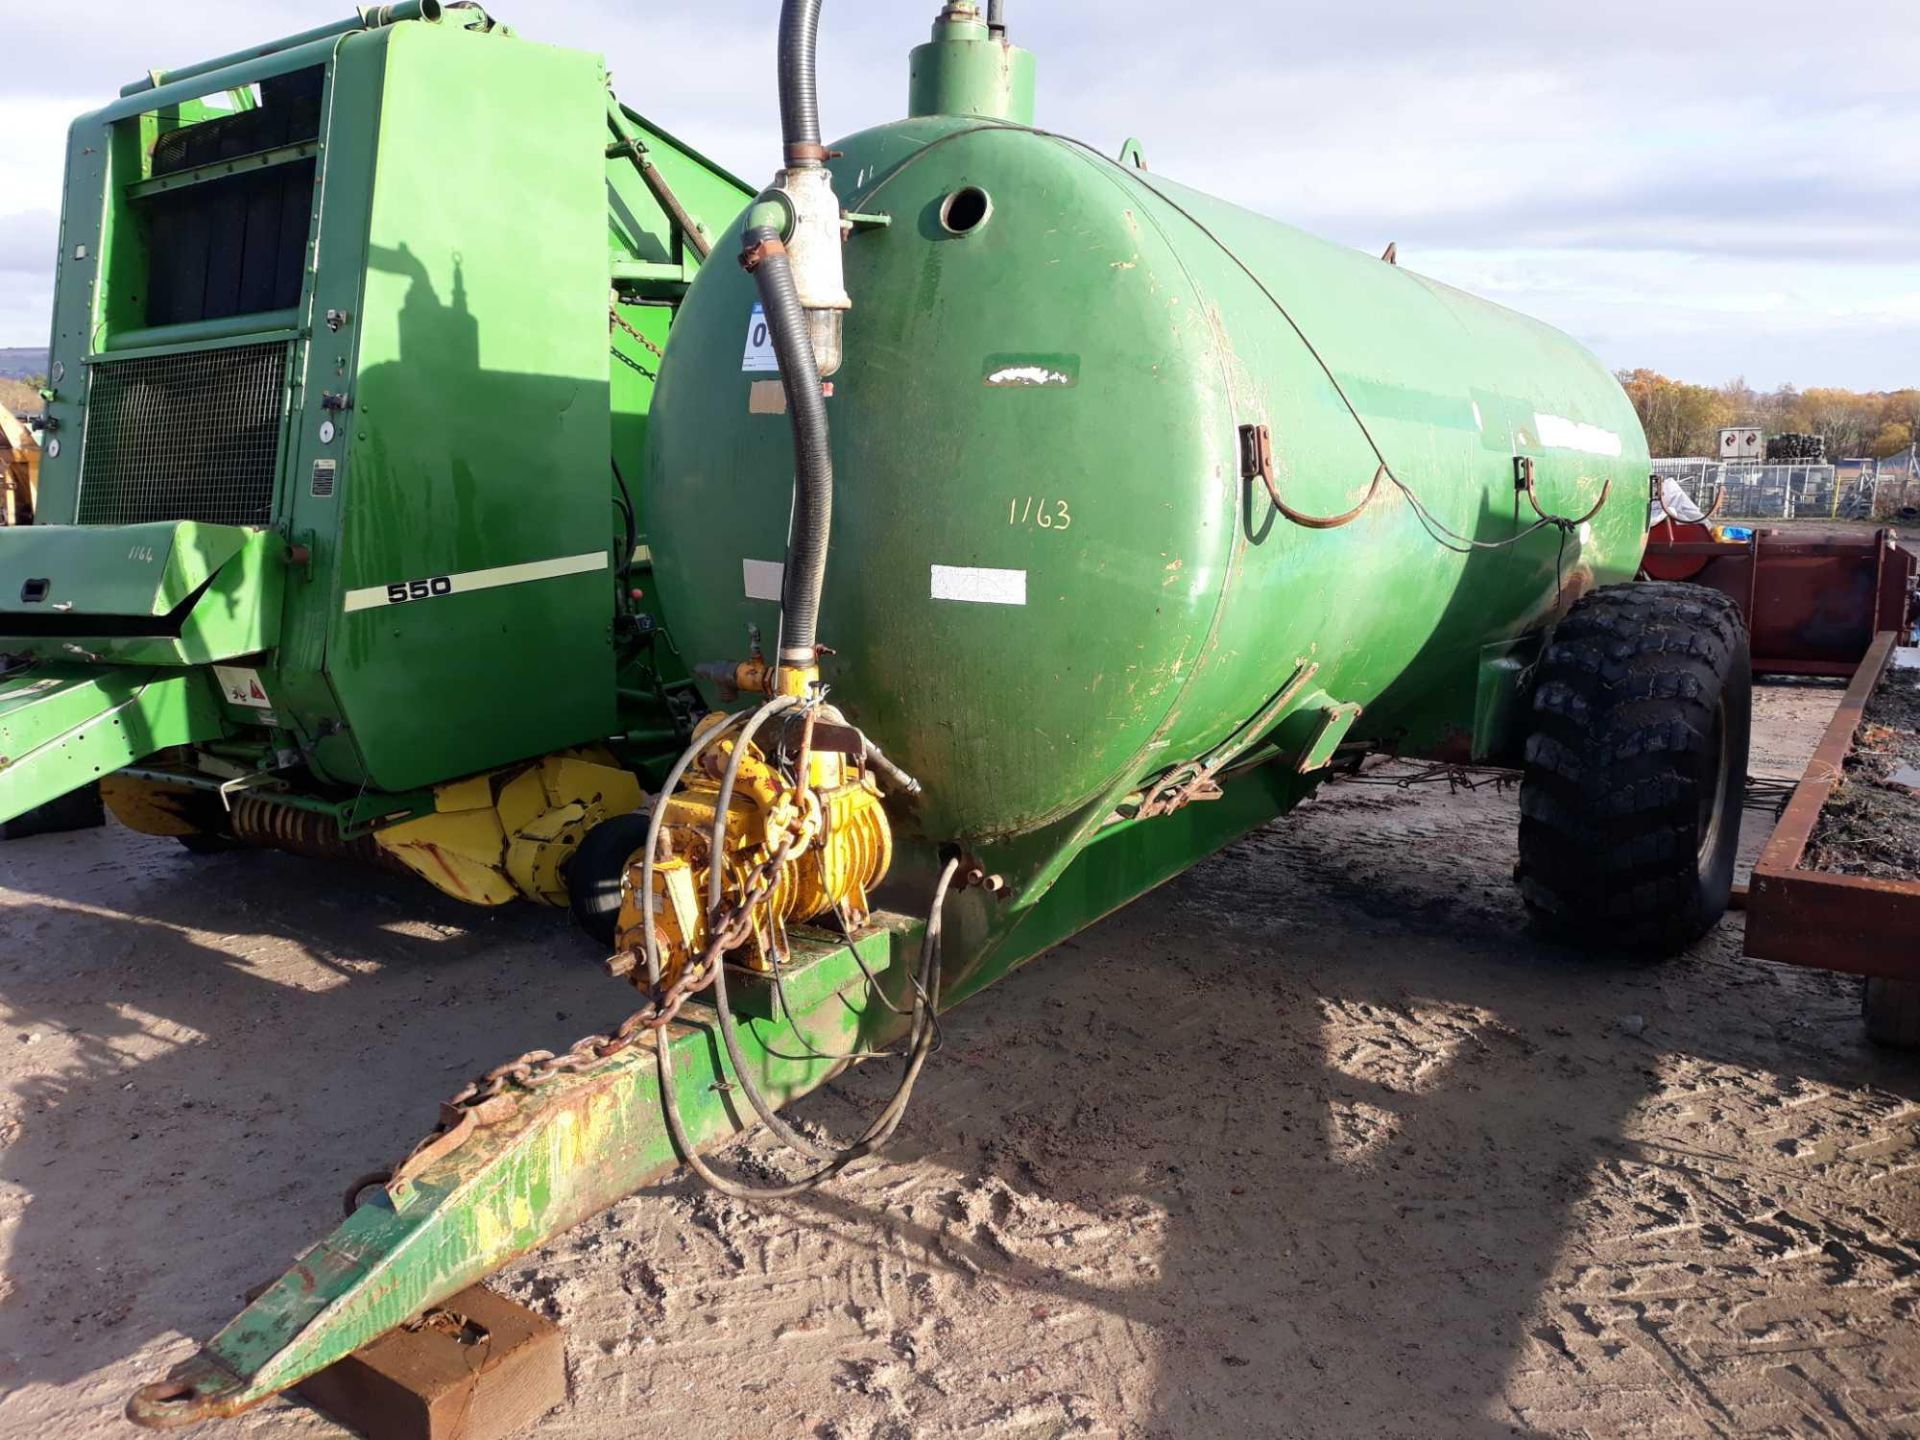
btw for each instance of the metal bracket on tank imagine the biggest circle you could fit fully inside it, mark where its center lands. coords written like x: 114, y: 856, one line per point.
x: 1336, y: 720
x: 1195, y: 780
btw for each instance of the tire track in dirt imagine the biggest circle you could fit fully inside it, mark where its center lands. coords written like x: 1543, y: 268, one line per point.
x: 1314, y: 1142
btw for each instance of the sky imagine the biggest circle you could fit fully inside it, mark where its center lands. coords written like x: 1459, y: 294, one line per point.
x: 1711, y: 188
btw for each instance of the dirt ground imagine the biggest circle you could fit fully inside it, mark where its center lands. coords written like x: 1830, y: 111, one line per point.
x: 1313, y: 1142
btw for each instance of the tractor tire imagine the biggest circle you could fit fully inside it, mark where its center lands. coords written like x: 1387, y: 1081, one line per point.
x: 598, y: 869
x: 1892, y: 1012
x: 1635, y: 773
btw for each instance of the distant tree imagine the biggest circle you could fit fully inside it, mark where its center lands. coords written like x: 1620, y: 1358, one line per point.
x: 1680, y: 419
x: 1848, y: 420
x: 1901, y: 407
x: 1743, y: 400
x: 1776, y: 411
x: 1893, y: 438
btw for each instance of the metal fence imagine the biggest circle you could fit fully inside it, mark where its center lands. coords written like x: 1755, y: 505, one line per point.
x: 1896, y: 495
x: 1772, y: 492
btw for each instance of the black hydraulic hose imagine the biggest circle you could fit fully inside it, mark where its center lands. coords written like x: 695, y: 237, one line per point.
x: 806, y: 571
x: 799, y: 91
x: 625, y: 501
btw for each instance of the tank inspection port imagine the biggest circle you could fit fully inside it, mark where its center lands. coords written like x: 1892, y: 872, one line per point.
x: 966, y: 210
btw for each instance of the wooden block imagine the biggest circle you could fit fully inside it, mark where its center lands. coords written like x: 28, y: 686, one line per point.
x: 478, y: 1367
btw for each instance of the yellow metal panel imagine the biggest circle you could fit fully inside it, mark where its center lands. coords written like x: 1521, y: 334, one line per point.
x: 490, y: 842
x: 143, y: 806
x: 572, y: 795
x: 461, y: 853
x: 473, y: 793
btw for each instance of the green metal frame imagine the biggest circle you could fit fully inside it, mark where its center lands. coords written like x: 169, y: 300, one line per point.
x: 222, y: 169
x: 60, y: 721
x: 171, y: 593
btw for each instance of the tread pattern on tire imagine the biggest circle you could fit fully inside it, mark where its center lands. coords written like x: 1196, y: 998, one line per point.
x: 594, y: 873
x: 1624, y: 705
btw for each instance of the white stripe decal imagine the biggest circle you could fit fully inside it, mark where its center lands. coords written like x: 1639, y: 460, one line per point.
x: 437, y: 587
x: 763, y: 579
x: 1557, y: 432
x: 979, y: 586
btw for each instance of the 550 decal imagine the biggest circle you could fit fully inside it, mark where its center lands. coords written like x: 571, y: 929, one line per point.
x: 408, y: 592
x: 419, y: 590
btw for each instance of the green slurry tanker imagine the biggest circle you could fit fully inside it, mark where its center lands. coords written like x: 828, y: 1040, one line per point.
x: 835, y: 595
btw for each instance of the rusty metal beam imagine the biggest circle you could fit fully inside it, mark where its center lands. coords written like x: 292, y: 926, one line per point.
x: 1849, y: 923
x: 1812, y: 605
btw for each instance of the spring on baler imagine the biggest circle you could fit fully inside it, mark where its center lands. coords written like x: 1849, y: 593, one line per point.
x: 274, y: 826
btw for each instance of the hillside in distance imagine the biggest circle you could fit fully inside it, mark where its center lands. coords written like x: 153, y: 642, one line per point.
x: 20, y: 363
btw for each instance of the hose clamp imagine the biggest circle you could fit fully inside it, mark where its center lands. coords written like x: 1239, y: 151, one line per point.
x: 760, y: 251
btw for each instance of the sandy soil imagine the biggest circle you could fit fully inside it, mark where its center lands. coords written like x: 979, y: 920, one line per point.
x: 1314, y: 1142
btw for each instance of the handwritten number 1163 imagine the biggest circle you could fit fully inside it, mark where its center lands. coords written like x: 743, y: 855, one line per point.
x: 1037, y: 510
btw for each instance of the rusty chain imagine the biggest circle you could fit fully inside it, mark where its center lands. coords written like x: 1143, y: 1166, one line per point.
x: 619, y: 320
x: 486, y: 1101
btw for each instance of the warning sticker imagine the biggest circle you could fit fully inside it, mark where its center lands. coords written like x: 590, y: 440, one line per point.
x: 242, y: 687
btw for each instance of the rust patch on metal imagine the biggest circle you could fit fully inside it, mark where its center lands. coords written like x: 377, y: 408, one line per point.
x: 1812, y: 605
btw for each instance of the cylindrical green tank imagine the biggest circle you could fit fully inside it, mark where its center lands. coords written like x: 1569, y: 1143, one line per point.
x: 1048, y: 566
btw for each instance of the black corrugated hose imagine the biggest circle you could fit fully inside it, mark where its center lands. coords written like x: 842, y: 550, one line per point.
x: 799, y: 95
x: 766, y: 256
x: 806, y: 569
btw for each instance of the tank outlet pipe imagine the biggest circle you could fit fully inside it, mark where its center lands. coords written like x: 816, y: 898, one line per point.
x: 770, y: 261
x: 817, y: 234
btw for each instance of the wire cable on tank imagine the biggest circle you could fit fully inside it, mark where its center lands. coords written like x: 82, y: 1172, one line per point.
x: 1438, y: 529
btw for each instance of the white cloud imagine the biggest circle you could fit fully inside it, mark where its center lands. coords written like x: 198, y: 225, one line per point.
x: 1706, y: 188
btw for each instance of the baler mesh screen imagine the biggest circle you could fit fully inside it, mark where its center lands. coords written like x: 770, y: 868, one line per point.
x: 194, y: 436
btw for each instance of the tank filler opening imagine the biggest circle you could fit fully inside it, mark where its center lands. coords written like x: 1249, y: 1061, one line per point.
x: 966, y: 210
